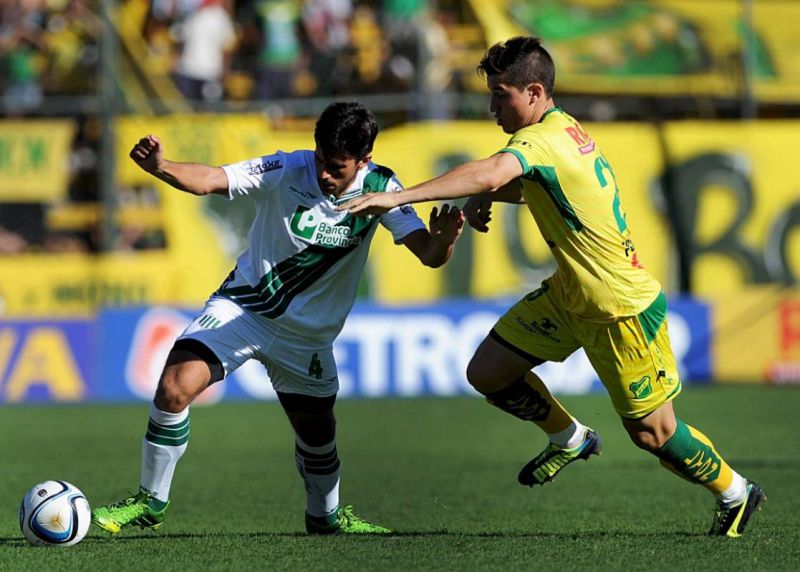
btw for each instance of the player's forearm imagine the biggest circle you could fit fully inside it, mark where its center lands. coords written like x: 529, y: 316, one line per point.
x: 463, y: 181
x: 437, y: 252
x: 509, y: 193
x: 193, y: 178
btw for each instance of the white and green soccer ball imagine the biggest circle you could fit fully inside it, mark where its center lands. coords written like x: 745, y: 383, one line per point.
x: 54, y: 513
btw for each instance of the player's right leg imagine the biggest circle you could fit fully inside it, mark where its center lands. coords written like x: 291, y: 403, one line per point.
x: 192, y: 365
x: 532, y: 331
x: 522, y: 394
x: 185, y: 376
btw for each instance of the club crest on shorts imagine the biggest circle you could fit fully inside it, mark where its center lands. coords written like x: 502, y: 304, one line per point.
x: 641, y: 388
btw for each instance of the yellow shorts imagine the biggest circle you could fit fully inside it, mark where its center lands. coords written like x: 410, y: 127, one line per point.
x: 632, y: 356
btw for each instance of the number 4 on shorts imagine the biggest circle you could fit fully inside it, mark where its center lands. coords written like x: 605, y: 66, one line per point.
x: 315, y: 367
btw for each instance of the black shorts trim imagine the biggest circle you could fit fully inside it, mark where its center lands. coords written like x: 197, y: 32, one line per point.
x: 521, y: 353
x: 299, y: 403
x: 187, y: 349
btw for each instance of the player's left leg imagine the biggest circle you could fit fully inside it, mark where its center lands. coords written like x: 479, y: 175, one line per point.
x: 317, y: 461
x: 303, y: 373
x: 687, y: 452
x: 634, y: 360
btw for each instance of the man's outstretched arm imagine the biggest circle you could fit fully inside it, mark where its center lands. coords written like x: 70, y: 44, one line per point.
x: 434, y: 247
x: 192, y: 178
x: 473, y: 178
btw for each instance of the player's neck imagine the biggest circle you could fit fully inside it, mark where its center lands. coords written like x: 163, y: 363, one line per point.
x: 546, y: 106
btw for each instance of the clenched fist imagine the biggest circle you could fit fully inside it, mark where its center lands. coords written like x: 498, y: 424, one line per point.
x: 148, y: 153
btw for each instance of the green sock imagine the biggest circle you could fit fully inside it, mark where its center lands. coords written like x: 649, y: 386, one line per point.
x: 692, y: 455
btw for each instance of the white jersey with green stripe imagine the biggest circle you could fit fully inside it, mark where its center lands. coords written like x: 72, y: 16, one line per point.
x: 304, y: 259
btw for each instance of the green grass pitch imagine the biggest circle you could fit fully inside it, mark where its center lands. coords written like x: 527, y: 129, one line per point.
x: 441, y: 472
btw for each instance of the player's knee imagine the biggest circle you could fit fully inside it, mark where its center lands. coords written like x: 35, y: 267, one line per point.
x: 650, y: 439
x: 176, y: 388
x: 311, y: 417
x: 317, y: 430
x: 478, y: 376
x: 644, y: 440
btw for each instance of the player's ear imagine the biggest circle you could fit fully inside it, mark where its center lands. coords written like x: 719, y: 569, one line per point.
x: 535, y: 91
x: 365, y: 159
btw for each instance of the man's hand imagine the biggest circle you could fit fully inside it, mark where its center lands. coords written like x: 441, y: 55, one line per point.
x: 446, y: 225
x: 372, y: 204
x: 148, y: 153
x: 478, y: 211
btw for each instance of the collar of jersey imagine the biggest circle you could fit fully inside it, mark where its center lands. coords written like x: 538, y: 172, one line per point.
x: 351, y: 193
x: 549, y: 111
x: 346, y: 196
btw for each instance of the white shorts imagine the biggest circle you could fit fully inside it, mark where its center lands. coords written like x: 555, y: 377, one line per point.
x: 295, y: 364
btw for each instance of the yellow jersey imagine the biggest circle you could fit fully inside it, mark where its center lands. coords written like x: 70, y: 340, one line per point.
x: 572, y: 194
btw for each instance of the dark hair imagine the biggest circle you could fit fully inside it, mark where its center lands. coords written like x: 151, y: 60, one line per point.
x: 520, y: 61
x: 346, y: 128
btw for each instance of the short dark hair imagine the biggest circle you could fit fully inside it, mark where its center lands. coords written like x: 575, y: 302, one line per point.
x: 346, y: 128
x: 520, y: 61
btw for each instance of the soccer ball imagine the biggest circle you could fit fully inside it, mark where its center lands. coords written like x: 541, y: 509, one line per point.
x: 54, y: 513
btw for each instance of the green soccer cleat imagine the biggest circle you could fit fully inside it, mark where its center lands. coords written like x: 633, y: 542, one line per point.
x: 547, y: 464
x: 343, y: 521
x: 132, y: 511
x: 732, y: 520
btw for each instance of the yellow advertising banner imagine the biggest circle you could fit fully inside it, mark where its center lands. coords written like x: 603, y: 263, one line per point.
x: 756, y: 335
x: 739, y: 200
x: 34, y: 159
x: 77, y: 284
x: 737, y: 205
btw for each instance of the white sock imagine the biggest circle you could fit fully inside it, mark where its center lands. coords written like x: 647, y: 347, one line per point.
x: 319, y: 467
x: 570, y: 437
x: 736, y: 493
x: 165, y: 442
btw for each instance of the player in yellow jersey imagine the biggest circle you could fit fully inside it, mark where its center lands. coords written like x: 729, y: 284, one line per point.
x: 600, y: 298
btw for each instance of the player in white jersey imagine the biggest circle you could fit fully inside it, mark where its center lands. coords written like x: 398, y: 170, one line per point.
x: 283, y: 304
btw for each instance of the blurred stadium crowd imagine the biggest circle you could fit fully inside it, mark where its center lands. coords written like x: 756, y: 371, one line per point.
x: 216, y: 52
x: 46, y: 47
x: 232, y: 50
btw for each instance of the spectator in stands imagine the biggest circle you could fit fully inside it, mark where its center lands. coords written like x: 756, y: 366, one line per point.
x: 73, y: 35
x: 208, y: 37
x: 11, y: 242
x: 280, y: 49
x: 436, y: 70
x: 62, y: 241
x: 326, y: 26
x: 22, y: 47
x: 402, y: 21
x: 369, y: 47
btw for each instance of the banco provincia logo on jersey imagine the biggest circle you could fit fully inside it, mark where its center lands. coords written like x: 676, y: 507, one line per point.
x: 307, y: 224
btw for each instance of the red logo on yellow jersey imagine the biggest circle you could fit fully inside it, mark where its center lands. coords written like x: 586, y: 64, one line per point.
x: 585, y: 143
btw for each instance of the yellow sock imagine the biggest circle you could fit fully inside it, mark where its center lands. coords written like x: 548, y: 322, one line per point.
x: 528, y: 398
x: 558, y: 418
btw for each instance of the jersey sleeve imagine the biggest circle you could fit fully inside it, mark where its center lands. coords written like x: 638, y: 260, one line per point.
x: 529, y: 148
x: 403, y: 220
x: 253, y: 176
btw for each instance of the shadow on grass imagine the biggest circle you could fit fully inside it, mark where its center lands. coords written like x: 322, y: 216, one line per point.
x: 589, y: 535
